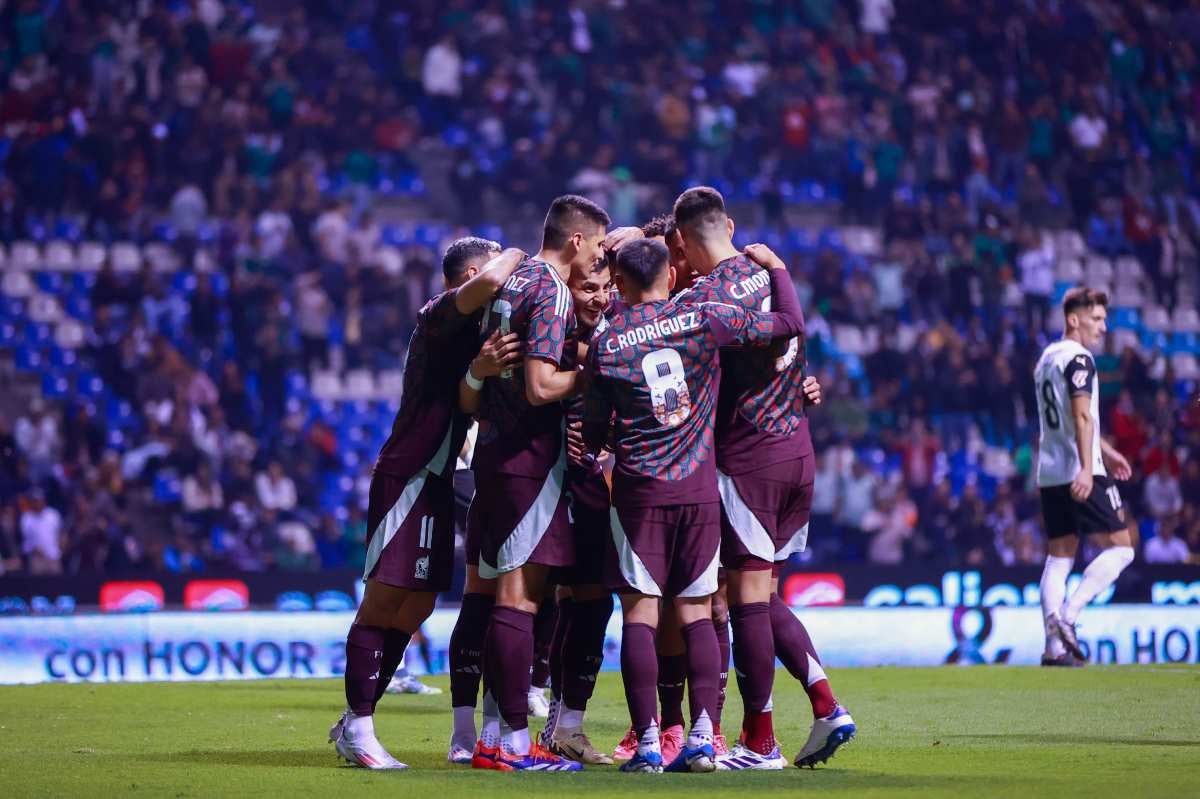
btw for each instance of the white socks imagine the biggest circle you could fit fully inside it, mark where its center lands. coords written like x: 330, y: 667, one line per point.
x: 464, y: 726
x: 1100, y: 574
x: 360, y: 726
x: 490, y: 731
x: 649, y: 741
x: 702, y: 730
x: 514, y: 742
x: 1054, y: 591
x: 570, y: 719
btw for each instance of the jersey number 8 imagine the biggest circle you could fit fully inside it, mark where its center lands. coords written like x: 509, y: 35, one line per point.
x: 663, y: 370
x: 1051, y: 412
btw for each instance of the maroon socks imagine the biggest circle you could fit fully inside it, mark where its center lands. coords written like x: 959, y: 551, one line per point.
x: 364, y: 657
x: 583, y: 650
x: 722, y: 629
x: 508, y: 658
x: 703, y: 672
x: 672, y: 673
x: 639, y: 670
x: 754, y: 660
x: 795, y: 650
x: 466, y: 648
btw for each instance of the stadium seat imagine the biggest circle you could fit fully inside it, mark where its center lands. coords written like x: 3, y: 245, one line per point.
x: 1125, y: 338
x: 48, y: 282
x: 44, y: 308
x: 1185, y: 342
x: 125, y: 256
x: 1097, y: 270
x: 1157, y: 319
x: 60, y: 256
x: 203, y: 261
x: 863, y: 240
x: 1129, y: 295
x: 1069, y: 244
x: 1123, y: 316
x: 55, y: 386
x: 327, y: 386
x: 16, y: 284
x: 1069, y: 270
x: 1186, y: 320
x: 24, y: 255
x: 70, y: 334
x: 360, y: 384
x: 1185, y: 366
x: 391, y: 384
x: 1128, y: 269
x: 160, y: 257
x: 91, y: 256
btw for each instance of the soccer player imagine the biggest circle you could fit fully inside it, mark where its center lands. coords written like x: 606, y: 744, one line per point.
x: 765, y: 472
x: 655, y: 368
x: 410, y: 516
x: 1078, y: 496
x: 519, y: 515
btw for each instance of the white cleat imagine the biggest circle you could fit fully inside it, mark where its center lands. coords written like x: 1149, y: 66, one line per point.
x: 363, y: 749
x: 460, y: 755
x: 828, y: 735
x: 742, y: 759
x: 538, y: 705
x: 409, y: 684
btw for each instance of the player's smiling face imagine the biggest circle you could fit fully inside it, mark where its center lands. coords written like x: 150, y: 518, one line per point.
x: 590, y: 291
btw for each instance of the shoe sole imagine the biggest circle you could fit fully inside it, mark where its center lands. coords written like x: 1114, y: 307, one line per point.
x: 1070, y: 641
x: 765, y: 765
x: 836, y: 740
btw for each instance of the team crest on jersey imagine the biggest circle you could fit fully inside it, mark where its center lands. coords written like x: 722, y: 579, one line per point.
x: 1079, y: 379
x: 421, y: 572
x: 663, y: 370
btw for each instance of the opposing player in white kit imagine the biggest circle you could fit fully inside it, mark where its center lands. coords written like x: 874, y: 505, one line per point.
x: 1078, y: 494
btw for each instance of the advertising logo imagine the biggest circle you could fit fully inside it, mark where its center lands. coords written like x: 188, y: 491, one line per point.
x: 812, y: 590
x: 1175, y: 592
x: 216, y: 595
x: 131, y: 596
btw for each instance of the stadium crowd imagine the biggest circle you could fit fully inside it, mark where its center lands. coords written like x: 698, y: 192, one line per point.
x: 262, y: 136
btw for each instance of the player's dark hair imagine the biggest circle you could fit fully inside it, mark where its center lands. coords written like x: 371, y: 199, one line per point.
x: 564, y: 217
x: 1082, y: 298
x: 661, y: 225
x: 642, y: 261
x: 699, y: 208
x: 462, y: 252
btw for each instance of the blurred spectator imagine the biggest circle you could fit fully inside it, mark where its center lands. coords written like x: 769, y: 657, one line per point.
x: 276, y: 491
x: 1164, y: 547
x: 38, y: 439
x: 890, y: 526
x: 857, y: 500
x: 1162, y: 494
x: 41, y: 535
x: 203, y: 498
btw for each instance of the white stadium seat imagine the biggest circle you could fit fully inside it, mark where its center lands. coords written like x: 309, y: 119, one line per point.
x: 24, y: 255
x: 1186, y: 320
x: 69, y: 334
x: 360, y: 384
x: 44, y: 308
x: 1128, y: 269
x: 91, y: 256
x: 17, y: 284
x: 125, y: 256
x: 160, y: 257
x: 60, y: 256
x: 1069, y: 244
x: 1098, y: 269
x: 1069, y: 270
x: 327, y: 385
x: 391, y: 384
x: 1185, y: 366
x: 1157, y: 319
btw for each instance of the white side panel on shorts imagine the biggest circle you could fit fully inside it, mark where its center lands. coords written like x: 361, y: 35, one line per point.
x: 633, y: 570
x: 706, y: 583
x: 523, y: 540
x: 749, y: 529
x: 796, y: 543
x: 438, y: 462
x: 392, y: 520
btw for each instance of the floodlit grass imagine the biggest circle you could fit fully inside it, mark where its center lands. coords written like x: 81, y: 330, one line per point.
x: 964, y: 732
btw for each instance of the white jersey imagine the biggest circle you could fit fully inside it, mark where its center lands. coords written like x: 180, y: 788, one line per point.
x: 1066, y: 369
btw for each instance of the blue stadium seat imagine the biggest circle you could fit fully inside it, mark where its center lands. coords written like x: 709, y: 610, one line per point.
x: 83, y: 282
x: 1185, y: 342
x: 61, y: 358
x: 115, y: 440
x: 28, y: 359
x: 55, y: 386
x: 89, y: 384
x: 1125, y: 317
x: 78, y: 306
x: 49, y: 282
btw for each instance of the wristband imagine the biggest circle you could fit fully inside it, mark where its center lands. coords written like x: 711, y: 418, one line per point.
x: 474, y: 382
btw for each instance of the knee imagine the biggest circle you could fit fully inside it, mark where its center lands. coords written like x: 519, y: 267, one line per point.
x: 415, y: 610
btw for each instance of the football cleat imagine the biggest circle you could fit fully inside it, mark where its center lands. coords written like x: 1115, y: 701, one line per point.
x: 409, y: 684
x: 742, y: 759
x: 487, y: 757
x: 1066, y: 660
x: 364, y: 751
x: 696, y: 759
x: 538, y: 706
x: 628, y: 746
x: 720, y: 747
x: 1067, y: 633
x: 575, y: 745
x: 459, y: 755
x: 538, y: 759
x: 649, y: 763
x: 828, y: 735
x: 671, y: 741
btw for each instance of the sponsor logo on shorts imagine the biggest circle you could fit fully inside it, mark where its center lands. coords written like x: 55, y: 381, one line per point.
x: 421, y: 572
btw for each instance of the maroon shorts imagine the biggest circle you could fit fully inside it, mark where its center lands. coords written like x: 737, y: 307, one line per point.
x: 516, y: 520
x: 410, y: 532
x: 665, y: 551
x: 764, y: 513
x: 587, y: 494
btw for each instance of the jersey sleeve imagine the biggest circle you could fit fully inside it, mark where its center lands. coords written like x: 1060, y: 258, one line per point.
x: 546, y: 333
x: 734, y: 326
x: 1080, y: 374
x: 440, y: 316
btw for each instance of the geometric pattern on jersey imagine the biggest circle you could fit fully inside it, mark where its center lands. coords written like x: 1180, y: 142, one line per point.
x: 657, y: 363
x: 768, y: 383
x: 1103, y: 512
x: 1065, y: 369
x: 392, y: 521
x: 524, y: 538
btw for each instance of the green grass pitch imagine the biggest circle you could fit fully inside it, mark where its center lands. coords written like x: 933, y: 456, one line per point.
x: 963, y: 732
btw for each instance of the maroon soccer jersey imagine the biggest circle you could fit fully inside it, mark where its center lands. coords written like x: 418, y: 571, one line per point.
x: 514, y: 436
x: 656, y: 369
x: 760, y: 415
x: 429, y: 429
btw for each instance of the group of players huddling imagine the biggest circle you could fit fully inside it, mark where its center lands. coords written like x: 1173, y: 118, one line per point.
x: 680, y: 359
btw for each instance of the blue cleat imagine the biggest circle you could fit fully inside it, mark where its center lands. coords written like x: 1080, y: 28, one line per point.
x: 828, y: 735
x: 696, y: 759
x: 649, y: 763
x: 538, y: 759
